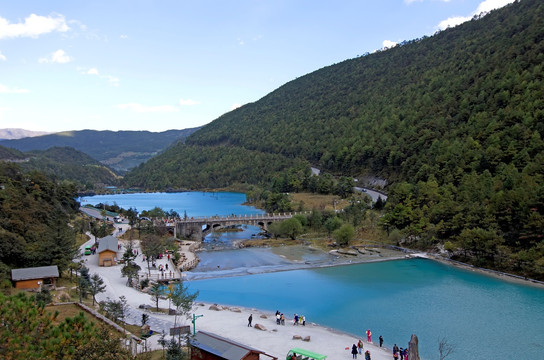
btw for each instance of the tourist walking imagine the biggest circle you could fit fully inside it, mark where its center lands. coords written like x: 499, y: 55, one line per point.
x: 249, y: 320
x: 354, y: 351
x: 360, y: 347
x: 369, y: 336
x: 367, y: 355
x: 381, y: 341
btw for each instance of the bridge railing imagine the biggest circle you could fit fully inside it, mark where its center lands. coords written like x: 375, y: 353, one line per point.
x: 266, y: 216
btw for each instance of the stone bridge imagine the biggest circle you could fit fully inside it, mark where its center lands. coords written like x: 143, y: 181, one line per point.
x: 198, y: 228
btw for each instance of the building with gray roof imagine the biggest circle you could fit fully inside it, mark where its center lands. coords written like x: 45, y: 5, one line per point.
x: 210, y: 346
x: 35, y: 277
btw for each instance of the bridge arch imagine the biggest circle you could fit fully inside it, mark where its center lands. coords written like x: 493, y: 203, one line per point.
x: 198, y: 228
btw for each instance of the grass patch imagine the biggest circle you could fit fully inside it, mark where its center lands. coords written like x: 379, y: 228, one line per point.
x: 311, y: 201
x: 71, y: 310
x: 130, y: 234
x: 81, y: 239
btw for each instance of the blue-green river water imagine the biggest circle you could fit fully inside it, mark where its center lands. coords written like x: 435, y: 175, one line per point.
x: 195, y: 203
x: 482, y: 316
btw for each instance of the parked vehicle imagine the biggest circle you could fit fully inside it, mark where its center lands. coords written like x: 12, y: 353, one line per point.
x: 301, y: 354
x: 87, y: 250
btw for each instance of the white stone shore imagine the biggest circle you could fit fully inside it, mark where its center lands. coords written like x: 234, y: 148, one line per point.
x: 276, y: 340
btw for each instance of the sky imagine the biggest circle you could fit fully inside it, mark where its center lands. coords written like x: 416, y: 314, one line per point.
x: 176, y: 64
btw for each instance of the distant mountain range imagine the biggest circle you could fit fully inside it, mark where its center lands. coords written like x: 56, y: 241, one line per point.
x: 63, y: 163
x: 120, y: 150
x: 12, y: 133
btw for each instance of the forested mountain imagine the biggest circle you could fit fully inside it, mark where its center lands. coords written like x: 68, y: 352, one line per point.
x: 121, y: 150
x: 10, y: 154
x: 34, y: 217
x: 65, y: 163
x: 453, y: 121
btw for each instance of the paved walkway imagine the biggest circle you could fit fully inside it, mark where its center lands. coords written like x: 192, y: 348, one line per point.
x: 116, y: 287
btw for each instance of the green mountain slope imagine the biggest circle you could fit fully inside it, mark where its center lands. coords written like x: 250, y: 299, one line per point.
x: 383, y: 112
x: 10, y: 154
x: 65, y: 163
x: 121, y: 150
x: 454, y: 121
x: 34, y: 219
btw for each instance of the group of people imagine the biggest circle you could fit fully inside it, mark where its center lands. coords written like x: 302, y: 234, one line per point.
x: 280, y: 318
x: 358, y: 349
x: 401, y: 353
x: 297, y: 319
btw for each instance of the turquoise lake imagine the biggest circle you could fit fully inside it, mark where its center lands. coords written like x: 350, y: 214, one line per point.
x: 482, y: 316
x: 195, y: 203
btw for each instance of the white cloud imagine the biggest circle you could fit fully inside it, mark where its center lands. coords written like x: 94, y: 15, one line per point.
x: 387, y: 44
x: 484, y: 7
x: 453, y: 21
x: 135, y: 107
x: 33, y: 26
x: 489, y: 5
x: 2, y: 56
x: 124, y: 36
x: 94, y: 71
x: 188, y: 102
x: 7, y: 90
x: 59, y: 57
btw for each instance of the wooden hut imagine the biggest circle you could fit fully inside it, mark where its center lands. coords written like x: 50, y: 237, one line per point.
x: 107, y: 251
x: 208, y: 346
x: 35, y: 277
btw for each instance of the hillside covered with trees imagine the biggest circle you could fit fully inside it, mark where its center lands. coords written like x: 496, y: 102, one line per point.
x: 10, y: 154
x: 120, y: 150
x: 454, y: 121
x: 34, y: 217
x: 64, y: 163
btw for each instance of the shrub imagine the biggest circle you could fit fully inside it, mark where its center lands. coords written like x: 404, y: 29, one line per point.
x: 144, y: 283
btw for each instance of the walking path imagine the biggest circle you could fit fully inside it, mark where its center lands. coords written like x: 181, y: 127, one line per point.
x: 229, y: 322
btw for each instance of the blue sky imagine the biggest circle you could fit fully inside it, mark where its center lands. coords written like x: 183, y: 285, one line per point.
x: 175, y: 64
